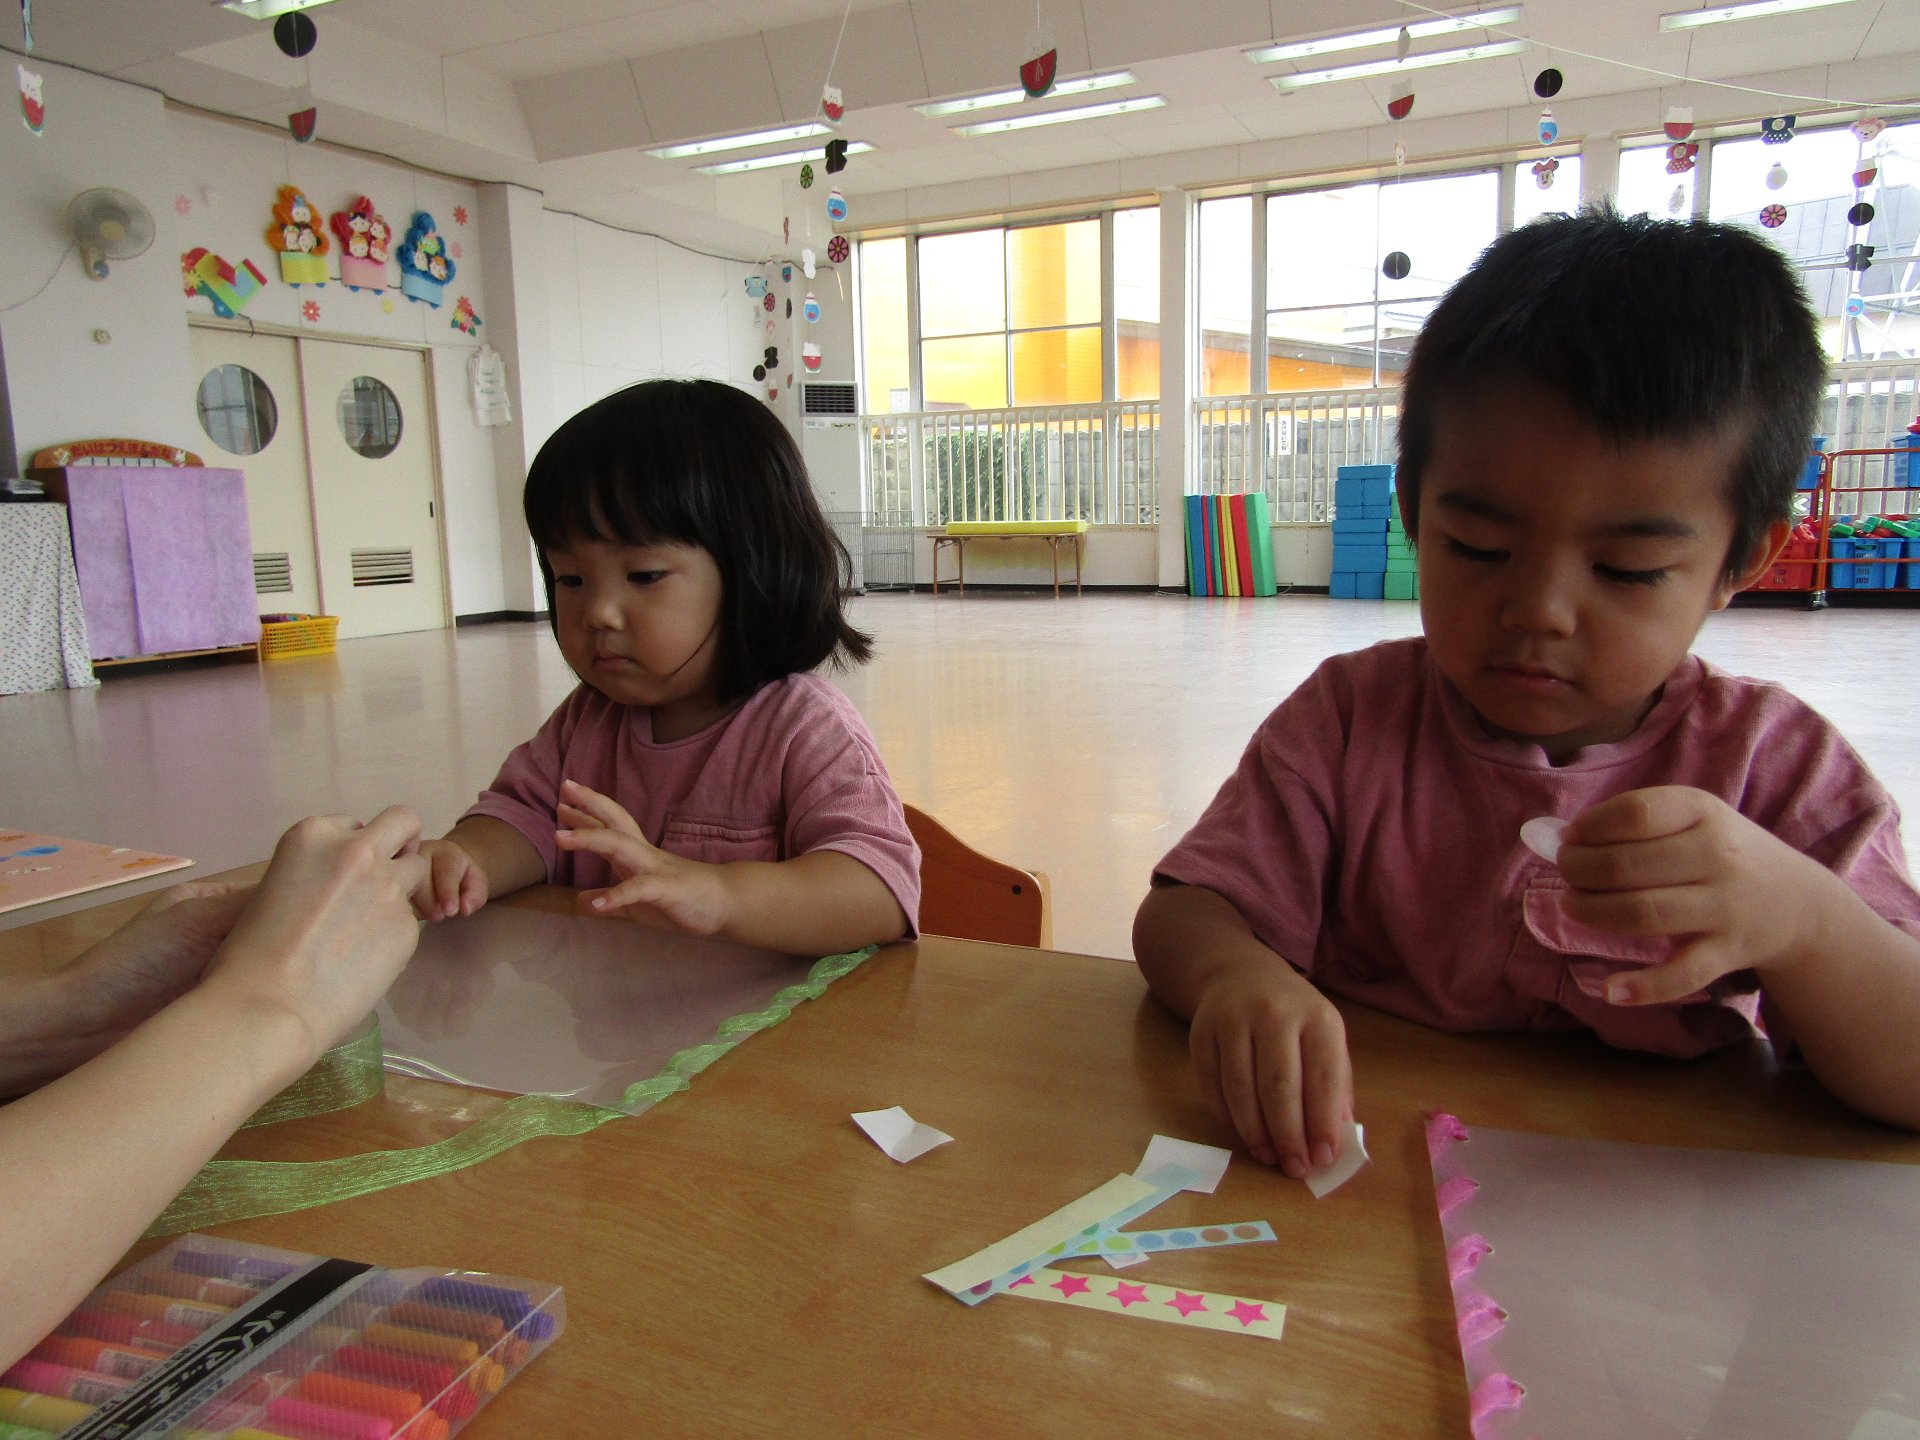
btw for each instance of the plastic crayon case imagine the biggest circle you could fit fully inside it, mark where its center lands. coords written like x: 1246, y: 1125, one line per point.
x: 211, y: 1339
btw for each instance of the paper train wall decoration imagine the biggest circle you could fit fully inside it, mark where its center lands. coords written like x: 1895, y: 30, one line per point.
x: 424, y: 266
x: 298, y: 237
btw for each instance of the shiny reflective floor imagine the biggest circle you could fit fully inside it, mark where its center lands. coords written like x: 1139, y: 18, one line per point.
x: 1078, y: 737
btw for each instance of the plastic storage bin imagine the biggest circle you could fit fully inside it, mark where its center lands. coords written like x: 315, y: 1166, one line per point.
x: 1861, y: 564
x: 222, y: 1339
x: 283, y: 636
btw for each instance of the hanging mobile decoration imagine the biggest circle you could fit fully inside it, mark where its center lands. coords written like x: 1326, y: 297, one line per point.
x: 838, y: 250
x: 1396, y: 266
x: 1866, y: 128
x: 1547, y: 83
x: 1543, y: 172
x: 1860, y: 214
x: 33, y: 110
x: 810, y: 355
x: 296, y: 36
x: 836, y: 159
x: 1777, y: 129
x: 786, y: 272
x: 1680, y: 157
x: 1773, y: 216
x: 1777, y: 176
x: 1549, y: 128
x: 1679, y: 124
x: 1859, y: 257
x: 1865, y: 176
x: 26, y: 24
x: 806, y: 176
x: 1400, y: 100
x: 1855, y: 307
x: 836, y: 206
x: 1677, y: 201
x: 810, y: 307
x: 1037, y: 73
x: 756, y: 286
x: 766, y: 302
x: 831, y: 104
x: 807, y: 263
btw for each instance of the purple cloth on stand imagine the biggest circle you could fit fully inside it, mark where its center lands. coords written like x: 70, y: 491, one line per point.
x: 234, y: 616
x: 101, y: 554
x: 173, y: 593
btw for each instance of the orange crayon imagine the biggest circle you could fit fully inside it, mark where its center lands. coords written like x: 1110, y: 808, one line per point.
x: 422, y: 1342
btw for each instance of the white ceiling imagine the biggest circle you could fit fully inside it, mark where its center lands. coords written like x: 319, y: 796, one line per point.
x: 567, y: 95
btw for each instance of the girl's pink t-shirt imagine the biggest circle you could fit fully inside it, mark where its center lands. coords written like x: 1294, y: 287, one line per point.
x: 791, y: 771
x: 1371, y: 835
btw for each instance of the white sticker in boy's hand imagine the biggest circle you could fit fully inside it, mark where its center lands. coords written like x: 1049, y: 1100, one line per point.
x: 1543, y: 836
x: 1326, y: 1179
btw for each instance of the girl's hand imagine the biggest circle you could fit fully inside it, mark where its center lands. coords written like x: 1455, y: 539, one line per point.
x: 453, y: 884
x: 655, y: 888
x: 1672, y: 860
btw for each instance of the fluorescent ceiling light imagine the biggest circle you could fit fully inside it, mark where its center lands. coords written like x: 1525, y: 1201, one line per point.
x: 769, y: 162
x: 740, y: 142
x: 1362, y: 39
x: 1752, y: 10
x: 1391, y: 67
x: 1055, y: 117
x: 267, y: 9
x: 967, y: 104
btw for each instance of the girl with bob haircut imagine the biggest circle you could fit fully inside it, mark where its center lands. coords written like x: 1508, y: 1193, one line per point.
x: 701, y: 777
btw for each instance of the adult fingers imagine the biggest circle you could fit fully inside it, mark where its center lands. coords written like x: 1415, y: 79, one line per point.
x: 1694, y: 966
x: 1639, y: 815
x: 1671, y: 910
x: 198, y: 890
x: 1277, y: 1072
x: 393, y: 830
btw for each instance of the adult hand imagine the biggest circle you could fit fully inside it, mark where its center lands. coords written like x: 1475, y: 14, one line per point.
x: 655, y: 887
x: 1270, y: 1052
x: 1676, y: 861
x: 330, y: 925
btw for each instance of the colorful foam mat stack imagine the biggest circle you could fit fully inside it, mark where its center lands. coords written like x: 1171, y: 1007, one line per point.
x: 1372, y: 559
x: 216, y: 1340
x: 1229, y: 545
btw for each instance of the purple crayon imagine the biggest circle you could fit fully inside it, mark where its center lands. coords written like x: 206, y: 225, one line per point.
x: 515, y: 1307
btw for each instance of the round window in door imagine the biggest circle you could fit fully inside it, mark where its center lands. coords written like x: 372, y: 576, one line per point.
x: 237, y: 410
x: 370, y: 417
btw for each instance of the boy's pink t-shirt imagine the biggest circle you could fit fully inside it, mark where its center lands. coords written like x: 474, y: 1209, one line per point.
x: 791, y: 771
x: 1371, y: 835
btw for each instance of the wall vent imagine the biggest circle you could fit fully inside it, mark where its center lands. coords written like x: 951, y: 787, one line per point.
x: 829, y: 398
x: 382, y: 567
x: 273, y: 574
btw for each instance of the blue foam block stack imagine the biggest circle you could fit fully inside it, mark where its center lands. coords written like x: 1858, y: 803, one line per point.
x: 1362, y: 515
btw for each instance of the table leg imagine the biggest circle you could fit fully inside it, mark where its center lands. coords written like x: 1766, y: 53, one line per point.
x: 1053, y: 544
x: 1079, y: 564
x: 960, y: 549
x: 936, y: 564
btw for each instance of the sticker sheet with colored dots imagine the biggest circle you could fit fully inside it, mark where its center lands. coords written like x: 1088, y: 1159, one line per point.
x: 36, y: 868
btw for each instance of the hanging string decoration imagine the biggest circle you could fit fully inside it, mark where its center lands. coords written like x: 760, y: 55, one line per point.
x: 1773, y: 216
x: 1777, y: 129
x: 1547, y: 83
x: 1543, y: 172
x: 296, y: 36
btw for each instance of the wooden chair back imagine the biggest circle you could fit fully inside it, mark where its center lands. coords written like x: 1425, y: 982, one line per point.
x: 971, y: 896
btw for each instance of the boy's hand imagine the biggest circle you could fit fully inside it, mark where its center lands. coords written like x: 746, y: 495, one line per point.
x: 655, y: 887
x: 1676, y: 861
x: 454, y: 884
x: 1270, y: 1052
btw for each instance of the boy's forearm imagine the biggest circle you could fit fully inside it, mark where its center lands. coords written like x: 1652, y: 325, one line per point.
x: 1852, y: 1003
x: 821, y: 903
x: 1185, y: 937
x: 507, y: 858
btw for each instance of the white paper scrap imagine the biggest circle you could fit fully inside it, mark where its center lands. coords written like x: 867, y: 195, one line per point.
x: 899, y: 1134
x: 1543, y: 835
x: 1208, y: 1162
x: 1353, y: 1154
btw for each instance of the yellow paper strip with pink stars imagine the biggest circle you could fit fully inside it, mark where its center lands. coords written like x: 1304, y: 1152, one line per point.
x: 1202, y: 1308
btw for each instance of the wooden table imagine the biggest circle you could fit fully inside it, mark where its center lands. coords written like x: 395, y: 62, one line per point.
x: 741, y: 1260
x: 958, y: 540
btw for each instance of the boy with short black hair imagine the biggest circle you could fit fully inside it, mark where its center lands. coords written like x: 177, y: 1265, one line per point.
x: 1600, y: 432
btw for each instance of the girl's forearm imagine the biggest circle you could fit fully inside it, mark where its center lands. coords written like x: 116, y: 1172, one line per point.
x: 821, y: 903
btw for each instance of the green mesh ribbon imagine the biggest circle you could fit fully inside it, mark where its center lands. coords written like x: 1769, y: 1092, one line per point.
x: 228, y: 1190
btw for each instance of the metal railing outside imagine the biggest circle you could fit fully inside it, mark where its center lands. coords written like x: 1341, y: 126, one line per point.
x: 1866, y: 405
x: 1098, y: 463
x: 1290, y: 445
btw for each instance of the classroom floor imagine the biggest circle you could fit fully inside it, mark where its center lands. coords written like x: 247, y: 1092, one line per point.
x: 1079, y: 737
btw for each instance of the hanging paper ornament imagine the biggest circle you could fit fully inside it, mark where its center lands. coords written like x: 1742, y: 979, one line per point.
x: 769, y: 327
x: 1680, y: 157
x: 806, y: 176
x: 1677, y: 201
x: 1547, y: 83
x: 1864, y: 130
x: 424, y: 266
x: 304, y: 117
x: 766, y: 302
x: 228, y: 287
x: 836, y: 206
x: 1400, y: 100
x: 1396, y: 266
x: 1402, y: 43
x: 297, y: 235
x: 1777, y: 129
x: 363, y: 245
x: 789, y: 307
x: 1777, y: 176
x: 810, y: 356
x: 771, y: 357
x: 1865, y: 176
x: 295, y: 35
x: 464, y: 319
x: 838, y: 250
x: 836, y: 156
x: 789, y: 380
x: 786, y: 273
x: 759, y: 372
x: 1773, y: 216
x: 1549, y: 128
x: 33, y: 110
x: 1543, y: 171
x: 26, y: 24
x: 1859, y: 257
x: 1860, y: 214
x: 786, y: 229
x: 807, y: 263
x: 1855, y: 307
x: 1037, y: 74
x: 756, y: 286
x: 1679, y: 124
x: 1399, y: 153
x: 831, y: 104
x: 810, y: 307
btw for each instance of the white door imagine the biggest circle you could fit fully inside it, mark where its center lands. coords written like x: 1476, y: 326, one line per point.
x: 249, y: 399
x: 375, y: 507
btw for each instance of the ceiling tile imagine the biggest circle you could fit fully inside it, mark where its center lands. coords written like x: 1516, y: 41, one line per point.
x: 583, y: 111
